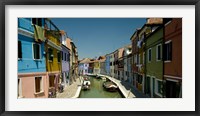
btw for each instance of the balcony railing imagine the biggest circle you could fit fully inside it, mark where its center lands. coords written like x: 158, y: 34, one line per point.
x: 52, y: 32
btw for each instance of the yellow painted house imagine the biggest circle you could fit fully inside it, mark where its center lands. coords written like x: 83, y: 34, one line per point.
x: 53, y: 54
x: 96, y: 67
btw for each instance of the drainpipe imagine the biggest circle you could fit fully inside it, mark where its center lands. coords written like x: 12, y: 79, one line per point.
x: 163, y: 43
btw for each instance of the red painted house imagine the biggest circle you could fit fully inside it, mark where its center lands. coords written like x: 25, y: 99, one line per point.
x: 134, y: 40
x: 173, y: 58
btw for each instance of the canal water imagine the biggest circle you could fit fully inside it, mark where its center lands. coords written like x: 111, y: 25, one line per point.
x: 97, y: 90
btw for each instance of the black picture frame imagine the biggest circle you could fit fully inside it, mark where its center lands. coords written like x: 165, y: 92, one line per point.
x: 97, y: 2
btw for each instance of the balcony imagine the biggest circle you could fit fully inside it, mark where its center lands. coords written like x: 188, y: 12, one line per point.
x: 52, y: 33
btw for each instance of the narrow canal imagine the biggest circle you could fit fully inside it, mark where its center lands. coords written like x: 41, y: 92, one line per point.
x: 97, y: 90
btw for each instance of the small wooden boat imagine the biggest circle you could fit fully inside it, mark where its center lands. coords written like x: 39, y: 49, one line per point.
x: 110, y: 86
x: 86, y: 84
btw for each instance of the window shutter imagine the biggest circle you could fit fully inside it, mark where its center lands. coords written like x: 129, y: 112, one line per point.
x: 39, y: 22
x: 36, y: 50
x: 34, y: 20
x: 170, y: 51
x: 62, y: 54
x: 19, y: 49
x: 37, y: 84
x: 165, y: 52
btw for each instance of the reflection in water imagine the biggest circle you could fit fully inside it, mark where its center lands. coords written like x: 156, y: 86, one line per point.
x: 97, y: 90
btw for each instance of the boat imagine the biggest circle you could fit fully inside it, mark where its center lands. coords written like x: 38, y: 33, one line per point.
x: 86, y: 84
x: 110, y: 86
x: 98, y: 76
x: 104, y: 78
x: 91, y: 75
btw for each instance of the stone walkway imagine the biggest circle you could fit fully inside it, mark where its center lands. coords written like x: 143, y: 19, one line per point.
x: 138, y: 94
x: 70, y: 91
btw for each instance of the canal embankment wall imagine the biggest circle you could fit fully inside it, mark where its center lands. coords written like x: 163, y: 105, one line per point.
x: 126, y: 93
x: 78, y: 91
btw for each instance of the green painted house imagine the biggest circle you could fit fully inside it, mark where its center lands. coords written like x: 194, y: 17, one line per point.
x: 154, y: 62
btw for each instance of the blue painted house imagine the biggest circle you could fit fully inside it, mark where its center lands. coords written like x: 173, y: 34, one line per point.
x: 84, y: 66
x: 107, y: 63
x: 31, y: 58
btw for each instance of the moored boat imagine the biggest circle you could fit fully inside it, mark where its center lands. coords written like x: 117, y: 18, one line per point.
x: 86, y: 84
x: 110, y: 86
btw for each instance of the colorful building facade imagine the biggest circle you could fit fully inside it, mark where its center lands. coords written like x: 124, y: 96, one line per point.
x: 53, y: 54
x: 112, y: 74
x: 84, y: 66
x: 173, y: 58
x: 127, y: 63
x: 154, y: 62
x: 107, y: 64
x: 134, y: 40
x: 32, y: 76
x: 65, y: 56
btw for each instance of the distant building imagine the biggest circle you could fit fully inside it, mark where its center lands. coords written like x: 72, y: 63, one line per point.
x: 127, y: 63
x: 134, y: 40
x: 120, y: 64
x: 65, y: 56
x: 102, y: 60
x: 116, y: 64
x: 107, y: 64
x: 112, y: 74
x: 84, y: 66
x: 73, y: 60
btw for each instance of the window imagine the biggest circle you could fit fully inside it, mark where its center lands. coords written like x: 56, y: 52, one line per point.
x: 67, y: 75
x: 139, y: 59
x: 135, y: 59
x: 158, y: 87
x: 139, y: 79
x: 68, y: 56
x: 19, y: 88
x: 143, y: 57
x: 158, y: 52
x: 37, y: 21
x: 36, y: 51
x: 51, y: 81
x: 62, y: 54
x: 50, y: 52
x: 19, y: 49
x: 149, y: 55
x: 38, y: 84
x: 168, y: 51
x: 58, y: 54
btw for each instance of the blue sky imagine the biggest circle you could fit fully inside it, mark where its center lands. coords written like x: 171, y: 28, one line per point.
x: 98, y: 36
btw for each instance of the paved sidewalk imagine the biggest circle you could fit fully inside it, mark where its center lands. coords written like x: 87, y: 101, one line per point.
x: 69, y: 91
x: 134, y: 90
